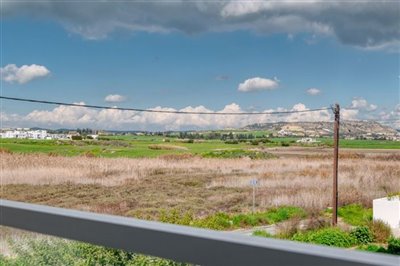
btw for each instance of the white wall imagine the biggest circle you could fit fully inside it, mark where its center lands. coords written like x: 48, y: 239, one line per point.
x: 387, y: 210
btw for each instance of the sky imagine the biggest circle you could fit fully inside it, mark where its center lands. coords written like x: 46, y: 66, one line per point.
x: 225, y: 56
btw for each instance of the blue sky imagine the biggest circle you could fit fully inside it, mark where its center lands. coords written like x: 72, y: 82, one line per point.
x: 176, y: 69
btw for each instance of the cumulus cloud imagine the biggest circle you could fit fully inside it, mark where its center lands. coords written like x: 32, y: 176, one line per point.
x: 367, y: 24
x: 313, y: 91
x: 393, y: 116
x: 114, y: 98
x: 362, y: 104
x: 258, y: 84
x: 349, y: 114
x: 72, y: 117
x: 11, y: 73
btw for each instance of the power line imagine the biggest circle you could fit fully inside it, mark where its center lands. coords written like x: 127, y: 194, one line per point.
x: 160, y: 111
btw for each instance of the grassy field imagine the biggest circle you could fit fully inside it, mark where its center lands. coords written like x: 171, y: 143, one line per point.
x: 123, y: 185
x: 154, y: 146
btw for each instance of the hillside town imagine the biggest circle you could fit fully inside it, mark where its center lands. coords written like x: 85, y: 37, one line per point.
x: 367, y: 130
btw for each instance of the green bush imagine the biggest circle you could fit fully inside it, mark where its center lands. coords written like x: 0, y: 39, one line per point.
x: 231, y: 142
x: 76, y: 137
x: 362, y: 235
x: 255, y: 142
x: 327, y: 236
x: 218, y: 221
x: 355, y: 214
x: 393, y: 246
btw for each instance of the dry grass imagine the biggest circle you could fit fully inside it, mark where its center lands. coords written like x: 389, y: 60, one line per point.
x: 144, y: 186
x: 166, y: 147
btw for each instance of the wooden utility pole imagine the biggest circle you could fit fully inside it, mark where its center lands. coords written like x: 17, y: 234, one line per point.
x: 336, y: 111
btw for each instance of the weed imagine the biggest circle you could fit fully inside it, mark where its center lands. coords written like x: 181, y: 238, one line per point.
x: 262, y: 233
x: 380, y: 230
x: 327, y: 236
x: 355, y: 214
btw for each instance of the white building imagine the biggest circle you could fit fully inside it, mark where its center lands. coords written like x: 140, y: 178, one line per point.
x: 307, y: 140
x: 24, y: 134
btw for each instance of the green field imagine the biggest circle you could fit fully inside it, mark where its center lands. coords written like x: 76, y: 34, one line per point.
x: 154, y: 146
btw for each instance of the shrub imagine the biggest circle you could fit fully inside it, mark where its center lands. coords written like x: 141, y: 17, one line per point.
x: 327, y: 236
x: 254, y: 142
x: 231, y: 142
x: 238, y: 153
x: 97, y: 255
x: 76, y: 137
x: 284, y: 213
x: 380, y: 230
x: 218, y: 221
x: 288, y: 229
x: 285, y: 144
x: 394, y: 246
x: 362, y: 235
x: 355, y: 214
x: 316, y: 222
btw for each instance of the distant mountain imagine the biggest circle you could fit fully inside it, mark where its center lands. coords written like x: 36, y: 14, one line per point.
x: 348, y: 128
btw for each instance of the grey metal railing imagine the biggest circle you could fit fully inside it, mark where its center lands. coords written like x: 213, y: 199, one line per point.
x: 179, y: 243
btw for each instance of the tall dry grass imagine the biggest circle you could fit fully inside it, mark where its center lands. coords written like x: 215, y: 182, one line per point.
x: 302, y: 181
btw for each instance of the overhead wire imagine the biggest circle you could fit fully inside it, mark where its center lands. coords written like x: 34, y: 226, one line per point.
x: 161, y: 111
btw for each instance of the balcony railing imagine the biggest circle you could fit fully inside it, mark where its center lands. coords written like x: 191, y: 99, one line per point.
x: 178, y: 243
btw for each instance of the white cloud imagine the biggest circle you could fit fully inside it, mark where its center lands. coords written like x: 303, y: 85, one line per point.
x: 114, y: 98
x: 362, y: 104
x: 371, y: 25
x: 313, y: 91
x: 349, y: 114
x: 73, y: 117
x: 258, y: 84
x: 11, y: 73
